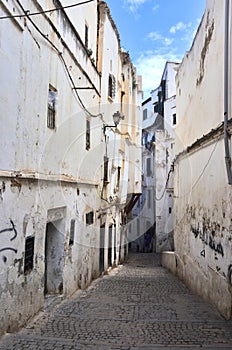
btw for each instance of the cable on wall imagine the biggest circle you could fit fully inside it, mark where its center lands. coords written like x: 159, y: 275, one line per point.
x: 63, y: 61
x: 45, y: 11
x: 165, y: 187
x: 203, y: 170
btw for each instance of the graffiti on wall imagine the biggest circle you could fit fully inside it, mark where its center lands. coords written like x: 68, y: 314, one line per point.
x: 13, y: 231
x: 208, y: 239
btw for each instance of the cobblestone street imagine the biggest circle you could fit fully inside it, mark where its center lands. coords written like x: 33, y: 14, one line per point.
x: 137, y: 306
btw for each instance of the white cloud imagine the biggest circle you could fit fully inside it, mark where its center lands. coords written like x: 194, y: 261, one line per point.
x: 168, y: 41
x: 180, y: 26
x: 155, y: 36
x: 151, y: 67
x: 134, y: 4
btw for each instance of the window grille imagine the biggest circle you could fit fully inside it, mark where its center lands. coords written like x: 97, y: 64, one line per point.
x: 112, y: 86
x: 29, y: 254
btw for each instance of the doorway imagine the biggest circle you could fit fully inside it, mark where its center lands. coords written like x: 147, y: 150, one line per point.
x: 102, y: 249
x: 110, y: 247
x: 54, y: 257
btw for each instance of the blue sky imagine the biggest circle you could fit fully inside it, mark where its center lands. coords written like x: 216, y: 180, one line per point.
x: 156, y: 31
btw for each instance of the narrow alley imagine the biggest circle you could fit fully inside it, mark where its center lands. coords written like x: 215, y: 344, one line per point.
x: 136, y: 306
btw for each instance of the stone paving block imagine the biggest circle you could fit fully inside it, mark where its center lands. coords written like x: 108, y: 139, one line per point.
x: 139, y: 306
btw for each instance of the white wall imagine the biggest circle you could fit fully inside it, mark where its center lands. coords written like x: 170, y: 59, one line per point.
x: 47, y: 174
x: 202, y: 195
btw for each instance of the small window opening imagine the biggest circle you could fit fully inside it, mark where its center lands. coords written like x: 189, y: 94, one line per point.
x: 149, y: 173
x: 29, y: 254
x: 86, y: 36
x: 72, y: 232
x: 118, y: 177
x: 106, y: 166
x: 145, y: 114
x: 149, y: 199
x: 112, y: 86
x: 87, y: 147
x: 174, y: 119
x: 89, y: 218
x: 52, y: 104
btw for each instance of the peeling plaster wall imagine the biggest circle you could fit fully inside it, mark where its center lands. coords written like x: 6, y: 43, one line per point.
x: 203, y: 236
x: 25, y: 207
x: 50, y: 184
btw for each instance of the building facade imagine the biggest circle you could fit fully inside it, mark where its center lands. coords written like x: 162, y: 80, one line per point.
x: 64, y: 167
x: 203, y: 248
x: 153, y: 215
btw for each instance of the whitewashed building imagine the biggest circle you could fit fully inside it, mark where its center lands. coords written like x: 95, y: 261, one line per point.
x: 64, y: 171
x: 202, y: 176
x: 164, y: 156
x: 153, y: 214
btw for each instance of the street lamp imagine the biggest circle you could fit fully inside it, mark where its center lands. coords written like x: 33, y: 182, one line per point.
x: 117, y: 116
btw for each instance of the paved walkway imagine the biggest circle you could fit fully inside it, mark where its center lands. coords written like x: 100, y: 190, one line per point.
x: 137, y: 306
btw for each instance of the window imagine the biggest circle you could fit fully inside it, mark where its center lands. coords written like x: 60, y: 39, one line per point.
x: 118, y: 176
x: 170, y: 203
x: 87, y: 147
x: 174, y: 119
x: 86, y: 36
x: 145, y: 114
x: 89, y: 218
x: 106, y: 165
x: 149, y: 199
x: 72, y: 232
x: 149, y: 167
x: 29, y: 254
x: 112, y: 86
x: 51, y: 113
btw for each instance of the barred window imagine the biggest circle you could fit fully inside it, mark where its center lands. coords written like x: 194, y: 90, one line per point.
x: 112, y: 86
x: 29, y: 254
x: 51, y: 113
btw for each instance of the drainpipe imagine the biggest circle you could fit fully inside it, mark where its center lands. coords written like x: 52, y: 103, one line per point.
x: 226, y: 95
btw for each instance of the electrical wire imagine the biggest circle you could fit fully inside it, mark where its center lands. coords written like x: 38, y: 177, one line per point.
x: 45, y: 11
x: 207, y: 163
x: 63, y: 61
x: 203, y: 170
x: 199, y: 177
x: 165, y: 187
